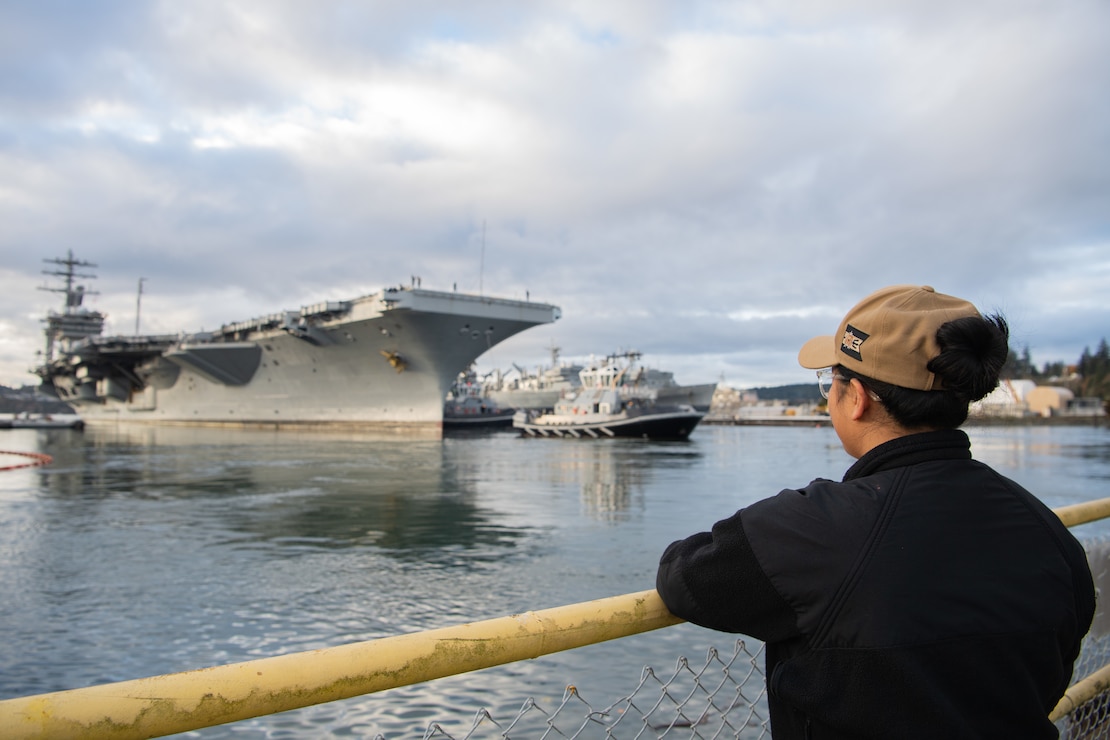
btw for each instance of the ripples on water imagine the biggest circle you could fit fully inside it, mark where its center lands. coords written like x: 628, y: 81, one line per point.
x: 162, y: 550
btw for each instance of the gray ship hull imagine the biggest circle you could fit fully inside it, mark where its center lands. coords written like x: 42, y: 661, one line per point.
x: 698, y: 396
x: 384, y: 361
x: 525, y: 399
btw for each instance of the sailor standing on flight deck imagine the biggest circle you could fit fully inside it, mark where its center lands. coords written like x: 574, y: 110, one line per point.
x: 925, y: 595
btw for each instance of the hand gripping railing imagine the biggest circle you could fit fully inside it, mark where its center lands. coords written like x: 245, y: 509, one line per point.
x: 179, y: 702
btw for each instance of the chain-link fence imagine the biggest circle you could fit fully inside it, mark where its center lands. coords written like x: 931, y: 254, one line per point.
x: 1091, y: 721
x: 722, y: 696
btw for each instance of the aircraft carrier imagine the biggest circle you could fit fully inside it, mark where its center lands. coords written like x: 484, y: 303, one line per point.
x: 383, y: 361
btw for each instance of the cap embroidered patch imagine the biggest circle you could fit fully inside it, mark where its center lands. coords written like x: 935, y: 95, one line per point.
x: 852, y: 342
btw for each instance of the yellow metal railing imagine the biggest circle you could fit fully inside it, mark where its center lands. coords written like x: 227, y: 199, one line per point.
x: 179, y: 702
x: 163, y: 705
x: 1082, y: 692
x: 1088, y: 511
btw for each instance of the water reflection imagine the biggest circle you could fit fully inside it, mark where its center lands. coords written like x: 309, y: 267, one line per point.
x: 1058, y: 464
x: 615, y: 476
x: 282, y: 491
x: 609, y: 476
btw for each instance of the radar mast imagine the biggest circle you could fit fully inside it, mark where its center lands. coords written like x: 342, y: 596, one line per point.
x: 76, y: 322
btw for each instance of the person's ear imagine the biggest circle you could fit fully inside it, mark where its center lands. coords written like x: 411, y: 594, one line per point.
x: 859, y: 399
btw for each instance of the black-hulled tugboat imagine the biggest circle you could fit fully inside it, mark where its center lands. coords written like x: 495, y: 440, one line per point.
x: 602, y: 410
x: 467, y: 408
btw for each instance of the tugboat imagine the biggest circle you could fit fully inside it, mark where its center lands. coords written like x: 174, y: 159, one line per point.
x: 27, y: 420
x: 603, y: 410
x: 467, y: 408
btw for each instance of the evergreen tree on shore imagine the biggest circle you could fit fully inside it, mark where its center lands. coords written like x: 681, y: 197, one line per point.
x: 1089, y: 377
x: 1094, y: 372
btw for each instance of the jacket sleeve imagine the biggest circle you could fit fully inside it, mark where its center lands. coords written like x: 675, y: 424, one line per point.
x: 713, y: 579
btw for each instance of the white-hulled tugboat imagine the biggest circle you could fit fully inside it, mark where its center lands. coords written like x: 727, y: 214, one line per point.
x: 602, y: 410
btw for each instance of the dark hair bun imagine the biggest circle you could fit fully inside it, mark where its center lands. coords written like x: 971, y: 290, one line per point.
x: 973, y: 351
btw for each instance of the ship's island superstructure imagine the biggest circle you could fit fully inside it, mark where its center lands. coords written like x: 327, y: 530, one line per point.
x: 379, y: 361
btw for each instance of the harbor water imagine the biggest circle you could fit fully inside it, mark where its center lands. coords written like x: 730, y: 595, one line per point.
x: 144, y: 551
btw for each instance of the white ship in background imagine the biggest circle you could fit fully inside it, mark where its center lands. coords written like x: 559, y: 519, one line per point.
x: 544, y: 388
x: 384, y: 360
x: 539, y: 390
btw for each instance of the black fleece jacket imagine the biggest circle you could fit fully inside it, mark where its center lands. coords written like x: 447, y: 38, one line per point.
x: 924, y: 596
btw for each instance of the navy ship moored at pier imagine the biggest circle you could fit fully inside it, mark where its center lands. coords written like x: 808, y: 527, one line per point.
x: 384, y: 360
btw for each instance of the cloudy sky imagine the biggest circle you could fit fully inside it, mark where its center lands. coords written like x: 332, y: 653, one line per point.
x: 710, y: 183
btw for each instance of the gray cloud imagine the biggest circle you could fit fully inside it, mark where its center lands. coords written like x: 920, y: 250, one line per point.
x: 711, y: 185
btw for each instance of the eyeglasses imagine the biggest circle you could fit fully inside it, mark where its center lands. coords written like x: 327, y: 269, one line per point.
x: 825, y: 378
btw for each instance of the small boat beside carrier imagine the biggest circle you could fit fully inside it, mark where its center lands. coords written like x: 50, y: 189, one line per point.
x: 602, y: 410
x: 467, y: 408
x: 41, y: 421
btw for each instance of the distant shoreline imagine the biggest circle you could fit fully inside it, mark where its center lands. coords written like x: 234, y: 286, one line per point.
x: 768, y: 421
x: 1039, y: 421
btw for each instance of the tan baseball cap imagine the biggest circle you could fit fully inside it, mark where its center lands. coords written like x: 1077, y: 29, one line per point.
x: 891, y: 335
